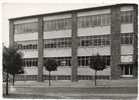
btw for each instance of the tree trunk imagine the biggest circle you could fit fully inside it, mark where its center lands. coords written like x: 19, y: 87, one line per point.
x: 7, y: 77
x: 49, y: 78
x: 95, y: 78
x: 13, y: 79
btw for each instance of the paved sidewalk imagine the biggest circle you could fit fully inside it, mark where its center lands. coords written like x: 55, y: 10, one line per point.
x: 81, y: 83
x: 85, y: 89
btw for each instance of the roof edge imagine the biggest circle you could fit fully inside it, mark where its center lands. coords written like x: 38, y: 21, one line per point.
x: 70, y: 11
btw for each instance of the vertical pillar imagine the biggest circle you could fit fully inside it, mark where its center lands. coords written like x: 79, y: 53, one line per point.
x: 40, y: 49
x: 115, y: 42
x: 74, y: 48
x: 11, y: 33
x: 135, y: 43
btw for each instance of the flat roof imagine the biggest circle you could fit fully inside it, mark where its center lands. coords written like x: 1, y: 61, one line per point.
x: 71, y: 11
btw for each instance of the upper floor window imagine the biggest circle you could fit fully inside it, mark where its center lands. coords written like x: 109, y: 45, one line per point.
x: 59, y: 24
x: 85, y: 60
x: 127, y: 38
x: 26, y: 28
x: 94, y: 40
x: 94, y: 20
x: 126, y: 16
x: 57, y: 43
x: 27, y: 46
x: 62, y: 61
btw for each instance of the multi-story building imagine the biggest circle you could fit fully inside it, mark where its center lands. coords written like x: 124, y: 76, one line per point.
x: 72, y: 37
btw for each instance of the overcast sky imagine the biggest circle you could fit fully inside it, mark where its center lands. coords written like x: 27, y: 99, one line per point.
x: 12, y: 10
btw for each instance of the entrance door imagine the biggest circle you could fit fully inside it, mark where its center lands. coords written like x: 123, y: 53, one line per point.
x: 127, y: 70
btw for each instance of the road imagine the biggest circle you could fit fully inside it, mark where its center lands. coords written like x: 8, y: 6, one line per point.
x: 74, y: 93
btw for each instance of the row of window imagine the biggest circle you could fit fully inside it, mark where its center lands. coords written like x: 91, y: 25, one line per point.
x: 83, y: 21
x: 127, y: 17
x: 28, y: 62
x: 94, y: 40
x: 95, y: 20
x: 65, y: 61
x: 85, y: 60
x: 60, y: 24
x: 57, y: 43
x: 127, y: 38
x: 84, y: 41
x: 27, y: 46
x: 26, y: 28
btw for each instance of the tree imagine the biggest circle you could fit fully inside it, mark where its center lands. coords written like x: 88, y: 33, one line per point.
x: 50, y: 65
x: 97, y: 63
x: 12, y: 63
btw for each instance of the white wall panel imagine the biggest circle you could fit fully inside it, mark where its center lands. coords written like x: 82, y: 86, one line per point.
x: 89, y: 71
x: 126, y: 28
x: 99, y: 30
x: 57, y: 34
x: 126, y: 59
x: 126, y: 8
x: 29, y: 53
x: 126, y: 49
x: 62, y: 16
x: 95, y: 12
x: 26, y: 36
x: 57, y: 52
x: 60, y: 71
x: 26, y: 21
x: 31, y: 70
x: 101, y: 50
x: 28, y: 42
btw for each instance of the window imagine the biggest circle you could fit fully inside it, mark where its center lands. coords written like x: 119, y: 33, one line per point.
x: 127, y: 69
x: 127, y: 38
x: 85, y: 41
x: 62, y: 61
x: 59, y: 24
x: 26, y: 28
x: 94, y: 40
x: 30, y: 62
x: 94, y: 20
x: 126, y: 16
x: 85, y: 60
x: 57, y: 43
x: 27, y: 45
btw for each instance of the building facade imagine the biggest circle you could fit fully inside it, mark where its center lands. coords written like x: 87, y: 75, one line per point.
x: 72, y: 37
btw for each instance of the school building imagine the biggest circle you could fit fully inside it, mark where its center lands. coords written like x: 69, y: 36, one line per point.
x: 72, y: 37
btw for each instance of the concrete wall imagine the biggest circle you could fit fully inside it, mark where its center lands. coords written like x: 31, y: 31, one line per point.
x: 88, y: 71
x: 57, y: 34
x: 26, y: 36
x: 126, y: 8
x: 58, y: 52
x: 26, y: 21
x: 95, y: 12
x: 60, y: 16
x: 127, y: 28
x: 127, y: 59
x: 126, y: 49
x: 98, y: 30
x: 29, y: 53
x: 31, y: 70
x: 66, y: 70
x: 102, y: 50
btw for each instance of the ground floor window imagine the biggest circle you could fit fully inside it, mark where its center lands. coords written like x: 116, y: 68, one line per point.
x: 127, y: 69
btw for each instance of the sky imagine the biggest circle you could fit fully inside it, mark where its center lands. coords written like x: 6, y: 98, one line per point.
x: 19, y: 9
